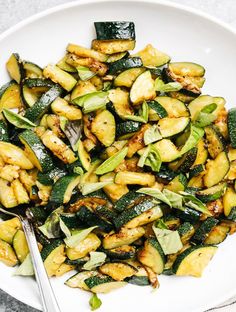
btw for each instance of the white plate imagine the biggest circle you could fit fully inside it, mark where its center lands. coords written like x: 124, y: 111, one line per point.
x: 186, y: 35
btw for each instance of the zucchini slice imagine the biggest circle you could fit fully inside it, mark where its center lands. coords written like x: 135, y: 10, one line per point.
x: 84, y: 52
x: 11, y: 97
x: 232, y: 126
x: 185, y: 162
x: 217, y: 235
x: 202, y: 153
x: 53, y: 256
x: 36, y: 151
x: 229, y: 201
x: 169, y: 127
x: 57, y: 75
x: 29, y: 96
x: 178, y: 184
x: 7, y: 196
x: 156, y: 109
x: 42, y: 105
x: 127, y: 77
x: 193, y: 260
x: 20, y: 245
x: 7, y: 254
x: 90, y: 218
x: 63, y: 188
x: 102, y: 284
x: 115, y: 30
x: 124, y: 237
x: 20, y: 193
x: 122, y: 253
x: 123, y: 64
x: 90, y: 243
x: 173, y: 107
x: 77, y: 280
x: 216, y: 169
x: 136, y: 142
x: 40, y: 84
x: 189, y: 215
x: 152, y: 57
x: 9, y: 228
x: 216, y: 142
x: 118, y: 271
x: 167, y: 150
x: 83, y: 156
x: 204, y: 229
x: 127, y: 201
x: 138, y: 214
x: 119, y: 102
x: 113, y: 46
x: 32, y: 70
x: 49, y: 178
x: 199, y: 103
x: 126, y: 127
x: 58, y: 147
x: 140, y: 178
x: 186, y: 231
x: 15, y: 67
x: 211, y: 193
x: 196, y: 170
x: 142, y: 89
x: 104, y: 127
x: 152, y: 255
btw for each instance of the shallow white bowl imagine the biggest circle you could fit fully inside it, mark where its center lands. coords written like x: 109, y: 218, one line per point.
x: 184, y: 34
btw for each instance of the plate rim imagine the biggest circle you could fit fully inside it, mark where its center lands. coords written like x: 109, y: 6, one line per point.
x: 71, y: 4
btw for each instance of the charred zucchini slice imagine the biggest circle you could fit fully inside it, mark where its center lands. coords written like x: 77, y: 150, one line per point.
x: 185, y: 162
x: 126, y: 127
x: 216, y: 169
x: 204, y: 229
x: 152, y: 255
x: 115, y: 30
x: 113, y: 46
x: 217, y: 235
x: 122, y: 253
x: 20, y: 245
x: 32, y: 70
x: 77, y: 280
x: 153, y: 57
x: 194, y: 260
x: 140, y: 178
x: 8, y: 229
x: 186, y: 231
x: 216, y: 142
x: 178, y: 184
x: 118, y: 271
x: 127, y: 201
x: 211, y: 193
x: 124, y: 237
x: 119, y: 104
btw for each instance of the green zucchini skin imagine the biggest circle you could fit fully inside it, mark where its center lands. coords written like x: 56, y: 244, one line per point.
x: 115, y: 30
x: 216, y: 141
x: 106, y: 213
x: 38, y: 82
x: 143, y: 205
x: 232, y: 215
x: 4, y: 136
x: 97, y: 280
x: 120, y: 65
x: 158, y: 108
x: 47, y: 249
x: 120, y: 253
x: 212, y: 193
x: 204, y: 229
x: 232, y: 126
x: 32, y: 141
x: 60, y: 187
x: 42, y: 105
x: 127, y: 200
x: 186, y: 231
x: 165, y: 175
x: 126, y: 127
x: 48, y: 178
x: 89, y: 218
x: 196, y: 170
x: 138, y: 280
x: 187, y: 160
x: 70, y: 220
x: 5, y: 86
x: 38, y: 214
x: 189, y: 214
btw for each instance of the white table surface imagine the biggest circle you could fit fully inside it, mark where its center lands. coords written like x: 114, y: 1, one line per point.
x: 13, y: 11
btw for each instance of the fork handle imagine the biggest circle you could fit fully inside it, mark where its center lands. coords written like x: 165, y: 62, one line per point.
x: 48, y: 298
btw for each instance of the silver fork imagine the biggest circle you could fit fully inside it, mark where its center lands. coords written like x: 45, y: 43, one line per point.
x: 48, y: 298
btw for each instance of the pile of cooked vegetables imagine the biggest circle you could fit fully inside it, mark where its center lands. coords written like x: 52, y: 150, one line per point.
x: 129, y: 172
